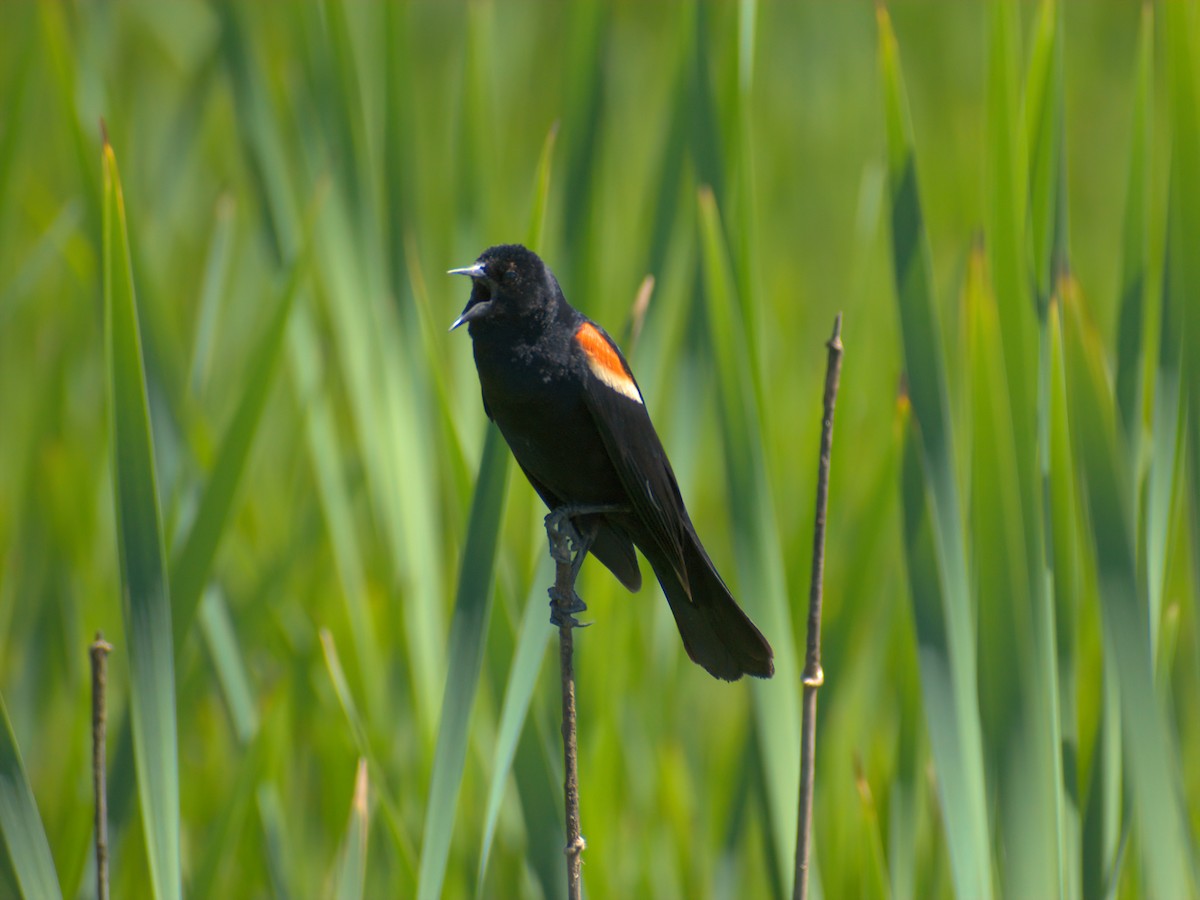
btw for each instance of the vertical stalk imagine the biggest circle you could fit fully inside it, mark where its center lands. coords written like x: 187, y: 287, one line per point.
x: 563, y: 606
x: 575, y: 842
x: 99, y: 651
x: 564, y: 603
x: 814, y: 677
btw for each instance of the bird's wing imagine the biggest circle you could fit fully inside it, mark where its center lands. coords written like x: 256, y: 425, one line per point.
x: 615, y: 402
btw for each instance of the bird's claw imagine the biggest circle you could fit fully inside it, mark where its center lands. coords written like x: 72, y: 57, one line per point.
x: 563, y: 613
x: 558, y: 619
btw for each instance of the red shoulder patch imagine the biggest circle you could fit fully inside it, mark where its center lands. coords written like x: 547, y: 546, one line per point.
x: 605, y: 362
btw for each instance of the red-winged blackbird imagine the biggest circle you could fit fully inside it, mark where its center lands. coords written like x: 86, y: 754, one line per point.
x: 563, y: 396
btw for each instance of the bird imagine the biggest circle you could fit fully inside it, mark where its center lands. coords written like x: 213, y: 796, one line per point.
x: 567, y: 404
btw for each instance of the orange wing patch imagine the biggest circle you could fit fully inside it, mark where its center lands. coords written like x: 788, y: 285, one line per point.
x: 604, y: 362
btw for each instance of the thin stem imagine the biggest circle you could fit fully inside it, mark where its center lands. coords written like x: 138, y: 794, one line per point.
x: 564, y: 603
x: 99, y: 651
x: 575, y: 842
x: 814, y: 677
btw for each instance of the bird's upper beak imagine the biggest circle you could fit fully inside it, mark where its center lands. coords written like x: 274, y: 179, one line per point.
x: 475, y: 271
x: 478, y: 305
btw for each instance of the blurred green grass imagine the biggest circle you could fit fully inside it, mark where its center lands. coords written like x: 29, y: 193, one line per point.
x: 297, y: 178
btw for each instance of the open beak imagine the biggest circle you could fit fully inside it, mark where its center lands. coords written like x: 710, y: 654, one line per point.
x: 475, y: 308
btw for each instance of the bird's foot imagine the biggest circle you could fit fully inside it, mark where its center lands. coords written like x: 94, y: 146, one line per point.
x: 565, y: 538
x: 569, y: 545
x: 562, y: 610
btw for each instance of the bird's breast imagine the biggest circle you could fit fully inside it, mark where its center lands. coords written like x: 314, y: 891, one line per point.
x: 521, y: 375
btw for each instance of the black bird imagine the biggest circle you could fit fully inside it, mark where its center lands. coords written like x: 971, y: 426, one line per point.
x: 563, y: 396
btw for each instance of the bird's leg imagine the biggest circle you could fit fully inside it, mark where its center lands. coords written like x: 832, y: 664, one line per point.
x: 569, y: 544
x: 566, y: 537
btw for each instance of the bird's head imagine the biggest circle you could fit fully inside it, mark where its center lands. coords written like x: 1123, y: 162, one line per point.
x: 507, y: 280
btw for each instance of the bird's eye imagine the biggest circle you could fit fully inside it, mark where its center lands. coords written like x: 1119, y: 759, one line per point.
x: 510, y: 275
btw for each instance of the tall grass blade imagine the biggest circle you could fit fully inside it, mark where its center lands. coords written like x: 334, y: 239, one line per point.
x: 924, y: 577
x: 144, y: 585
x: 432, y: 328
x: 263, y: 146
x: 396, y: 144
x: 351, y: 876
x: 908, y: 803
x: 220, y: 638
x: 21, y: 830
x: 1167, y: 419
x: 1006, y: 183
x: 742, y: 168
x: 518, y: 692
x: 345, y: 113
x: 1097, y: 822
x: 341, y: 689
x: 384, y: 405
x: 587, y: 37
x: 212, y: 288
x: 706, y: 141
x: 1056, y: 612
x: 1135, y: 254
x: 1105, y: 828
x: 1018, y: 674
x: 260, y: 137
x: 472, y: 610
x: 216, y: 858
x: 220, y: 858
x: 278, y: 862
x: 1183, y: 38
x: 761, y: 581
x: 541, y: 190
x: 191, y: 565
x: 949, y: 666
x: 325, y: 451
x: 1065, y: 535
x: 671, y: 180
x: 1047, y: 174
x: 1153, y: 767
x: 386, y: 391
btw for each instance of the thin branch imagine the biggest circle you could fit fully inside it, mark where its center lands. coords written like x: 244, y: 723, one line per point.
x: 564, y: 603
x: 99, y: 651
x: 575, y: 842
x: 814, y: 677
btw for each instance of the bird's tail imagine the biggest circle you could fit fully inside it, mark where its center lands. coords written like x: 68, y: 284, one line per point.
x: 716, y: 633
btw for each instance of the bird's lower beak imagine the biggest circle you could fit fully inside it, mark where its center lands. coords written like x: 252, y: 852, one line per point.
x: 473, y: 310
x: 476, y: 306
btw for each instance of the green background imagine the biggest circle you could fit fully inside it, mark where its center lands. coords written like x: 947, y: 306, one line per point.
x: 296, y: 180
